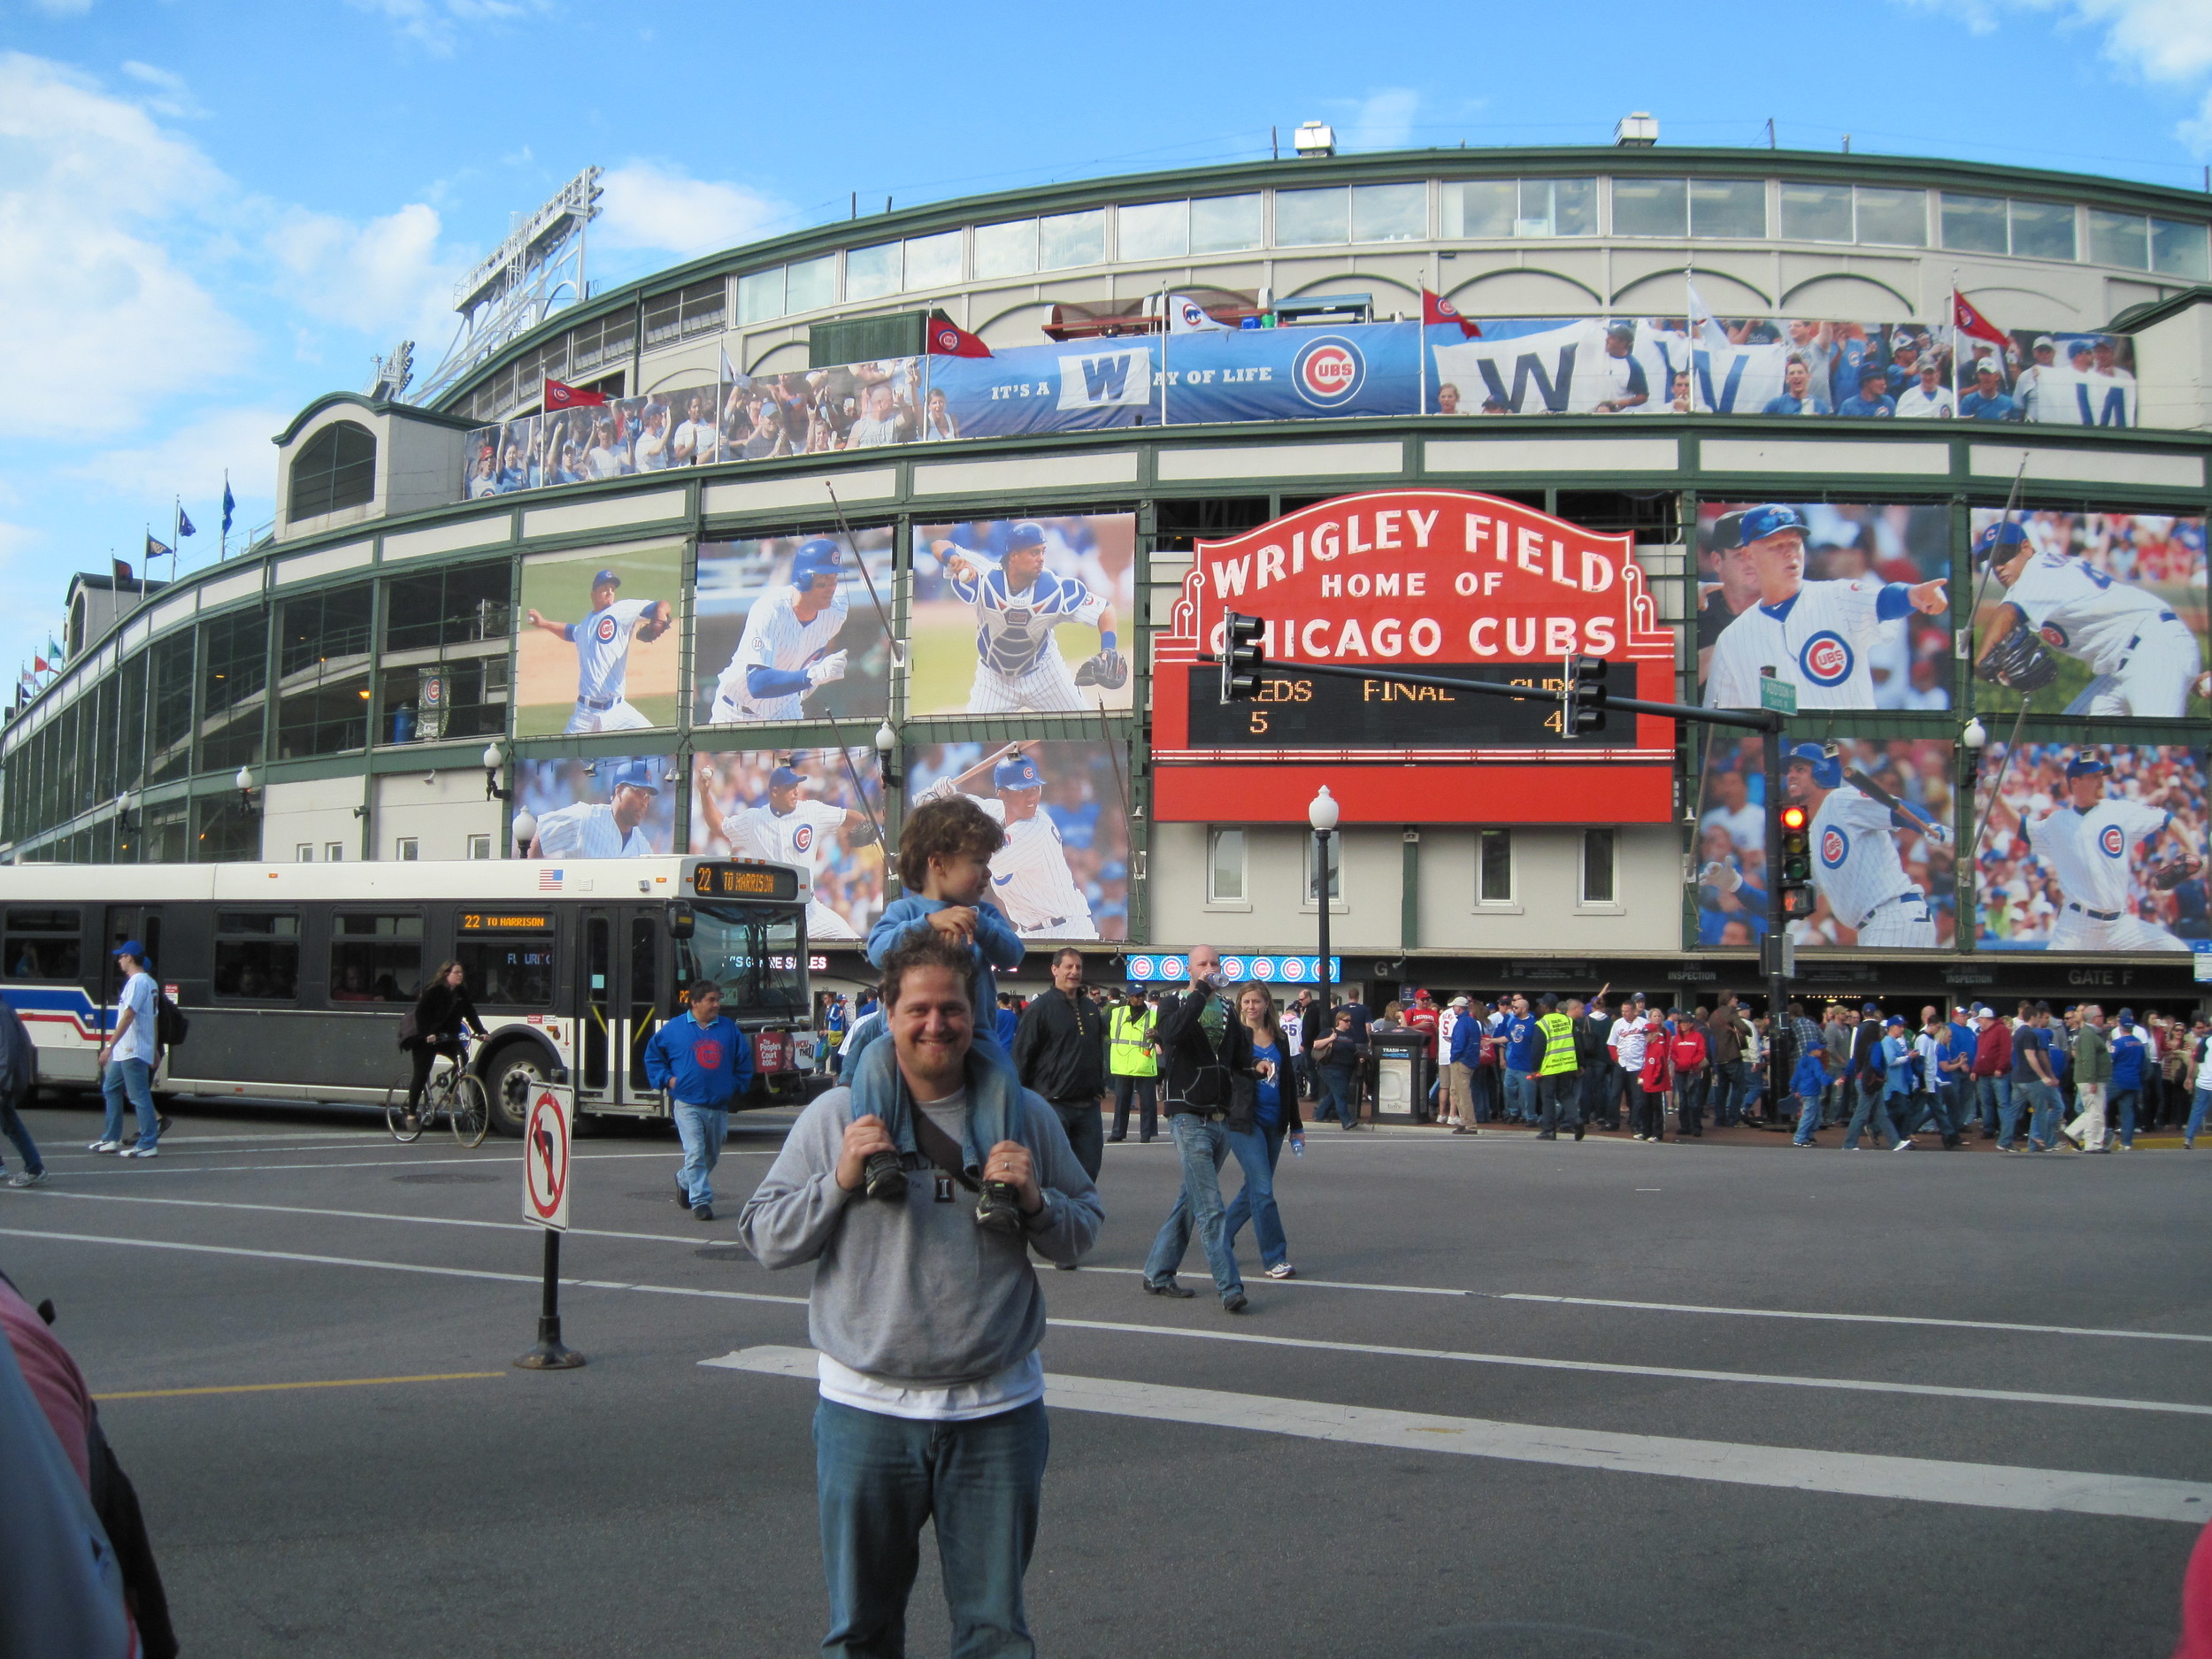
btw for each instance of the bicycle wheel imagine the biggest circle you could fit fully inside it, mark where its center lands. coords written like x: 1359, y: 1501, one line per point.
x: 471, y: 1115
x: 395, y: 1115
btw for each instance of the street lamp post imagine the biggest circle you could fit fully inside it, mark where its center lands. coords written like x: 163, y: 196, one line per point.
x: 1322, y: 814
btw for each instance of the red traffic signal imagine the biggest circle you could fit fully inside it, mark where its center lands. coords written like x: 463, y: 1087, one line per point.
x: 1793, y: 818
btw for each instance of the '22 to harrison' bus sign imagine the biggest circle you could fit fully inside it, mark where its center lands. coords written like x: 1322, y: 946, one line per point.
x: 1423, y: 580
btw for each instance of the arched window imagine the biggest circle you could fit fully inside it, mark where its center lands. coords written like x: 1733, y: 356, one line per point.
x: 335, y: 468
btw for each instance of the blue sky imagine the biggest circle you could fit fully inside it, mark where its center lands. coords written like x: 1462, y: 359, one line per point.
x: 212, y: 213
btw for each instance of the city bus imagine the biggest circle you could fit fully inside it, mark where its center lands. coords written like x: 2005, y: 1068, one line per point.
x: 294, y: 978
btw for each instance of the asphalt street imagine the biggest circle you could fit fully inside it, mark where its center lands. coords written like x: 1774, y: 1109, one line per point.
x: 1524, y: 1401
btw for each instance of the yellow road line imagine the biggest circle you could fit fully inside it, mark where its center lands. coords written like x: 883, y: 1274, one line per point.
x: 272, y: 1387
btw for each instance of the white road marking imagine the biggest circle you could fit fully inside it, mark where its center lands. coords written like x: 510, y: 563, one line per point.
x: 1852, y: 1474
x: 135, y: 1167
x: 1846, y: 1318
x: 375, y: 1215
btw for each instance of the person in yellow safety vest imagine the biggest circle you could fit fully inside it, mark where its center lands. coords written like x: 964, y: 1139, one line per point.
x: 1133, y: 1060
x: 1558, y: 1079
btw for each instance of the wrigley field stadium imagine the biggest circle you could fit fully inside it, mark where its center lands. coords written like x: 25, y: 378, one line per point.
x: 743, y: 560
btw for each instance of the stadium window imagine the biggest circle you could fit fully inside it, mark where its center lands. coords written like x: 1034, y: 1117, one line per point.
x: 233, y: 683
x: 453, y: 607
x: 1481, y: 210
x: 257, y: 955
x: 1064, y: 240
x: 1816, y: 212
x: 337, y: 468
x: 1224, y: 224
x: 1390, y: 212
x: 223, y: 832
x: 1558, y: 207
x: 1007, y: 250
x: 333, y: 852
x: 1892, y: 218
x: 1225, y: 867
x: 2119, y: 239
x: 376, y: 956
x: 1336, y: 860
x: 169, y: 738
x: 407, y: 850
x: 305, y: 853
x: 479, y: 847
x: 1153, y: 230
x: 1312, y: 219
x: 323, y: 650
x: 872, y: 272
x: 934, y: 261
x: 1650, y: 207
x: 1974, y: 224
x: 760, y: 295
x: 1728, y: 207
x: 1493, y: 866
x: 601, y: 341
x: 1598, y: 884
x: 809, y: 284
x: 2180, y: 248
x: 678, y: 313
x: 2043, y: 230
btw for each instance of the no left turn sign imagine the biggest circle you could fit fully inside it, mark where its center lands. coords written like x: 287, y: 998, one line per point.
x: 545, y: 1157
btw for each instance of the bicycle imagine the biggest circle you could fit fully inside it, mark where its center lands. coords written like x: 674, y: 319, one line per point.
x: 452, y: 1089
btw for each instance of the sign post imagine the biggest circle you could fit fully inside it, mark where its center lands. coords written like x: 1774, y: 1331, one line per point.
x: 545, y: 1169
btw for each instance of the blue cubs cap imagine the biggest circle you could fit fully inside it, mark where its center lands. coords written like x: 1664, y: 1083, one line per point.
x: 1827, y: 770
x: 2127, y: 1017
x: 1626, y: 329
x: 1028, y: 533
x: 606, y: 579
x: 785, y: 777
x: 636, y: 774
x: 1894, y: 1019
x: 1872, y: 368
x: 1998, y: 535
x: 2086, y: 766
x: 1873, y: 1008
x: 816, y: 558
x: 1762, y: 522
x: 1017, y: 772
x: 130, y: 947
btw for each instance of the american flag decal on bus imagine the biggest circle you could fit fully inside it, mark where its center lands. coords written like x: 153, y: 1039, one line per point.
x: 549, y: 880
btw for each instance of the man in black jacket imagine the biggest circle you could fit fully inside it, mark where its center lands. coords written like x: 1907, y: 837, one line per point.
x: 1060, y: 1051
x: 1205, y: 1050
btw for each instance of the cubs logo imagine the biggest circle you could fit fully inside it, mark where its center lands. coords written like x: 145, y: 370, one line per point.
x: 1194, y: 316
x: 1019, y: 616
x: 2053, y: 636
x: 603, y: 630
x: 1328, y: 372
x: 2115, y: 844
x: 1835, y: 847
x: 1827, y: 659
x: 948, y: 340
x: 803, y: 838
x: 707, y: 1053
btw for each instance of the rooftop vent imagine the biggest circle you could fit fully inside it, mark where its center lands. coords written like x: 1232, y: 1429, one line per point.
x: 1314, y: 139
x: 1637, y: 130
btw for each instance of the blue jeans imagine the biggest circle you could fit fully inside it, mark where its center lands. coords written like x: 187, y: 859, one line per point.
x: 1485, y: 1088
x: 2121, y: 1110
x: 2044, y: 1104
x: 1734, y: 1089
x: 1689, y: 1103
x: 877, y: 1479
x: 135, y: 1078
x: 1259, y: 1150
x: 1340, y: 1097
x: 1204, y: 1145
x: 701, y: 1129
x: 12, y: 1127
x: 1808, y: 1118
x: 1991, y: 1097
x: 1872, y: 1109
x: 2199, y: 1103
x: 1520, y: 1097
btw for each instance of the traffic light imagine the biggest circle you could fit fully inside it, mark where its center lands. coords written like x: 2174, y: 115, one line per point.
x: 1582, y: 695
x: 1795, y: 874
x: 1241, y: 661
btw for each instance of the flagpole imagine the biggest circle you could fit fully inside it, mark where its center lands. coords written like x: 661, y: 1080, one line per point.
x: 176, y: 536
x: 1689, y: 329
x: 1954, y: 342
x: 1167, y: 328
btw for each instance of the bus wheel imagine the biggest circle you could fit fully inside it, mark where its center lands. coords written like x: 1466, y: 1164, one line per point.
x: 511, y: 1076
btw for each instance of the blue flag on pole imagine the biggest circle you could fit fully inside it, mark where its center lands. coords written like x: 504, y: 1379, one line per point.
x: 230, y: 503
x: 184, y: 524
x: 155, y: 550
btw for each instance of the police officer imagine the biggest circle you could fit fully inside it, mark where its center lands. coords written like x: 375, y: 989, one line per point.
x: 1133, y: 1060
x: 1558, y: 1076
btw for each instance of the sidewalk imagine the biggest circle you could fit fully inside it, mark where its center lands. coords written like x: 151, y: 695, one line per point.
x: 1828, y: 1140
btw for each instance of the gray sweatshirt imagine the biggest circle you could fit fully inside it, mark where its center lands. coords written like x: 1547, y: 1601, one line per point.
x: 916, y: 1293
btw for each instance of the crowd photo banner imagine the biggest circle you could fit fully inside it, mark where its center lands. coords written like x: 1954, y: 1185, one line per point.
x: 1064, y: 874
x: 2115, y: 602
x: 613, y: 807
x: 1848, y: 603
x: 599, y: 643
x: 2087, y: 847
x: 1885, y: 864
x: 794, y: 628
x: 819, y: 809
x: 1013, y: 616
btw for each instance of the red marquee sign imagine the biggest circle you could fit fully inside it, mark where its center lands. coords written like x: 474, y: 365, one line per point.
x: 1423, y: 581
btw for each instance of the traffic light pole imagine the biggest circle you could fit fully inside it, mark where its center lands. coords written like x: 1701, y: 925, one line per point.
x: 1770, y: 950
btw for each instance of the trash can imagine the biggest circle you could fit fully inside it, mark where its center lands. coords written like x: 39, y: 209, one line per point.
x: 1399, y: 1073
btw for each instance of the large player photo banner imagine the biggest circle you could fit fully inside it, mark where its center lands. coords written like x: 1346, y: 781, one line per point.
x: 598, y: 643
x: 1023, y: 616
x: 1849, y: 604
x: 613, y: 807
x: 819, y: 809
x: 794, y: 628
x: 1885, y: 865
x: 1064, y: 874
x: 2090, y: 848
x: 2090, y: 613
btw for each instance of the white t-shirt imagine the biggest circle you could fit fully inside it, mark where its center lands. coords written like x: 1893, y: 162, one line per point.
x: 137, y: 1000
x: 985, y: 1397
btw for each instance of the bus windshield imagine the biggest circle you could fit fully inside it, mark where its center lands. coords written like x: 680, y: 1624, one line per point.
x: 754, y: 954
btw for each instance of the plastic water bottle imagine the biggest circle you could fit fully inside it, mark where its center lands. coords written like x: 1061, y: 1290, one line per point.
x: 1298, y: 1146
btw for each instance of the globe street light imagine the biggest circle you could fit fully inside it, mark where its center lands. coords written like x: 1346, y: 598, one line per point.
x: 1321, y: 812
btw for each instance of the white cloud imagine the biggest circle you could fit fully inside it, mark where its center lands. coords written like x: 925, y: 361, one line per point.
x: 62, y: 8
x: 1383, y: 121
x: 169, y: 95
x: 2164, y: 41
x: 387, y: 277
x: 194, y: 456
x: 437, y: 25
x: 650, y: 208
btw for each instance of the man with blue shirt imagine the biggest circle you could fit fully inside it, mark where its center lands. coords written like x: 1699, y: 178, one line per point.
x: 2034, y: 1081
x: 1872, y: 399
x: 1797, y: 396
x: 2130, y: 1056
x: 706, y: 1064
x: 127, y: 1059
x: 1520, y: 1032
x: 1899, y: 1090
x: 1987, y: 399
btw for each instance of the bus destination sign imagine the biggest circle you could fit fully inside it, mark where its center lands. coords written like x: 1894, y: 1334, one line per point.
x: 728, y: 880
x: 505, y: 922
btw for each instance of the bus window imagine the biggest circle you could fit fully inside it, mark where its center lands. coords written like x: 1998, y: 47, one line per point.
x: 41, y: 945
x: 513, y: 972
x: 754, y: 955
x: 375, y: 957
x: 257, y: 955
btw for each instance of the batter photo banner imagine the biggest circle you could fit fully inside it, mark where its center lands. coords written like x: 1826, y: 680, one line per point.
x: 598, y: 645
x: 1023, y: 616
x: 818, y: 809
x: 609, y: 808
x: 794, y: 628
x: 1885, y: 862
x: 1064, y: 874
x: 2089, y: 613
x: 1850, y: 605
x: 2090, y: 848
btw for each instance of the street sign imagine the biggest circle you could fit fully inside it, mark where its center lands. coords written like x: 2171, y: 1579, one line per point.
x: 545, y: 1156
x: 1778, y: 695
x: 2200, y: 957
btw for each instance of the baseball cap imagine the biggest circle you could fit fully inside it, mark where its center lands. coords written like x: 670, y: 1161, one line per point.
x: 130, y: 947
x: 1628, y: 330
x: 1905, y: 342
x: 1870, y: 371
x: 2100, y: 340
x: 1872, y: 1008
x: 2042, y: 340
x: 637, y: 775
x: 1461, y: 1001
x: 814, y: 559
x: 2086, y: 766
x: 2007, y: 534
x: 785, y: 777
x: 606, y: 579
x: 1017, y: 772
x: 1419, y: 992
x: 1987, y: 365
x: 2127, y: 1017
x: 1028, y: 533
x: 1762, y: 522
x: 1894, y: 1019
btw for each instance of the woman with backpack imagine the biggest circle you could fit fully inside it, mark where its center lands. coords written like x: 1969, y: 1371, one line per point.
x: 1686, y: 1055
x: 440, y: 1011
